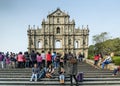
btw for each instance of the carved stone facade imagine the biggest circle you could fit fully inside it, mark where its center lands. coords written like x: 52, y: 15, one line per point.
x: 58, y: 33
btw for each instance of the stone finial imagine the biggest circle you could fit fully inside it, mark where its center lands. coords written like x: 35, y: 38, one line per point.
x: 87, y: 27
x: 33, y: 26
x: 28, y: 26
x: 58, y: 8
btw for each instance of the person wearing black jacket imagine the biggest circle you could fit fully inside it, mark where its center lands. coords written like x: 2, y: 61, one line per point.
x: 33, y: 58
x: 72, y: 68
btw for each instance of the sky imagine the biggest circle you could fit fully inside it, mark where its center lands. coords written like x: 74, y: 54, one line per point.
x: 16, y: 15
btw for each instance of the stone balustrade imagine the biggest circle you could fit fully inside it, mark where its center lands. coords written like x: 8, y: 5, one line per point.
x: 110, y: 66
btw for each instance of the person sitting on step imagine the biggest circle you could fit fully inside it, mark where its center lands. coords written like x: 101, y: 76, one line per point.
x: 116, y: 70
x: 42, y: 73
x: 61, y: 74
x: 50, y: 71
x: 35, y: 71
x: 106, y: 61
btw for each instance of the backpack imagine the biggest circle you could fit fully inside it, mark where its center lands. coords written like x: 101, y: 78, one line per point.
x: 80, y: 77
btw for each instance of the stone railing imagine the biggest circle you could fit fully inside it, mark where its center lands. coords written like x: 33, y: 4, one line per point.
x: 110, y: 66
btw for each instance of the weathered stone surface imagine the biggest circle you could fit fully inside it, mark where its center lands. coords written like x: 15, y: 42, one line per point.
x: 58, y: 33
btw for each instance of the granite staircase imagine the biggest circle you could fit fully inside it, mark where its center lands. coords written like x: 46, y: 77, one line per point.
x: 92, y: 77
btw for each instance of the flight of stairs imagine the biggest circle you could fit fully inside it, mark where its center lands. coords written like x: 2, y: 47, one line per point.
x: 92, y: 77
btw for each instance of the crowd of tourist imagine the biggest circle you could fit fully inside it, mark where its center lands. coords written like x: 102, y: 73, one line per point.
x: 42, y: 64
x: 8, y: 60
x: 26, y: 60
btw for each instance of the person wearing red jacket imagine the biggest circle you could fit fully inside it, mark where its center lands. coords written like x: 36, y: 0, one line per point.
x: 96, y: 60
x: 49, y: 59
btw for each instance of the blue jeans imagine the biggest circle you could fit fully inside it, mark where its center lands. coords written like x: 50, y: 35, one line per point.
x: 61, y: 77
x: 80, y: 59
x: 27, y: 64
x: 34, y: 76
x: 39, y: 64
x: 2, y: 64
x: 105, y: 63
x: 42, y: 73
x: 56, y: 64
x: 115, y: 71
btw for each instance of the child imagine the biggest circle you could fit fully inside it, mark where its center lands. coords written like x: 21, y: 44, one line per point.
x: 116, y: 70
x: 35, y: 72
x: 61, y: 76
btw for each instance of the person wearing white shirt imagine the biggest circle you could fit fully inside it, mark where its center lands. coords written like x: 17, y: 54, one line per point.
x: 106, y: 61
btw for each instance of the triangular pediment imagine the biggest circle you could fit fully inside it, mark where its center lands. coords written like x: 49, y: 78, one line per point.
x: 58, y: 12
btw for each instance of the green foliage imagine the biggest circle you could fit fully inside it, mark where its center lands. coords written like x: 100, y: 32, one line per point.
x: 116, y: 60
x: 105, y: 45
x: 112, y: 45
x: 99, y: 40
x: 90, y: 56
x: 91, y: 52
x: 91, y: 49
x: 100, y: 37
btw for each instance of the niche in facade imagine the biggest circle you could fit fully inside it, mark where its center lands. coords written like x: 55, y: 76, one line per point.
x: 58, y: 30
x: 57, y: 44
x: 76, y: 44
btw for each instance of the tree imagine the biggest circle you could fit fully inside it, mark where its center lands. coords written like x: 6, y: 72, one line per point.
x: 99, y: 40
x: 103, y: 44
x: 100, y: 37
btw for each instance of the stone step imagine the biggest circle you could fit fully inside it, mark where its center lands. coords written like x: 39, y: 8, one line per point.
x: 85, y: 76
x: 56, y: 79
x: 57, y: 83
x: 82, y: 69
x: 92, y: 77
x: 17, y: 73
